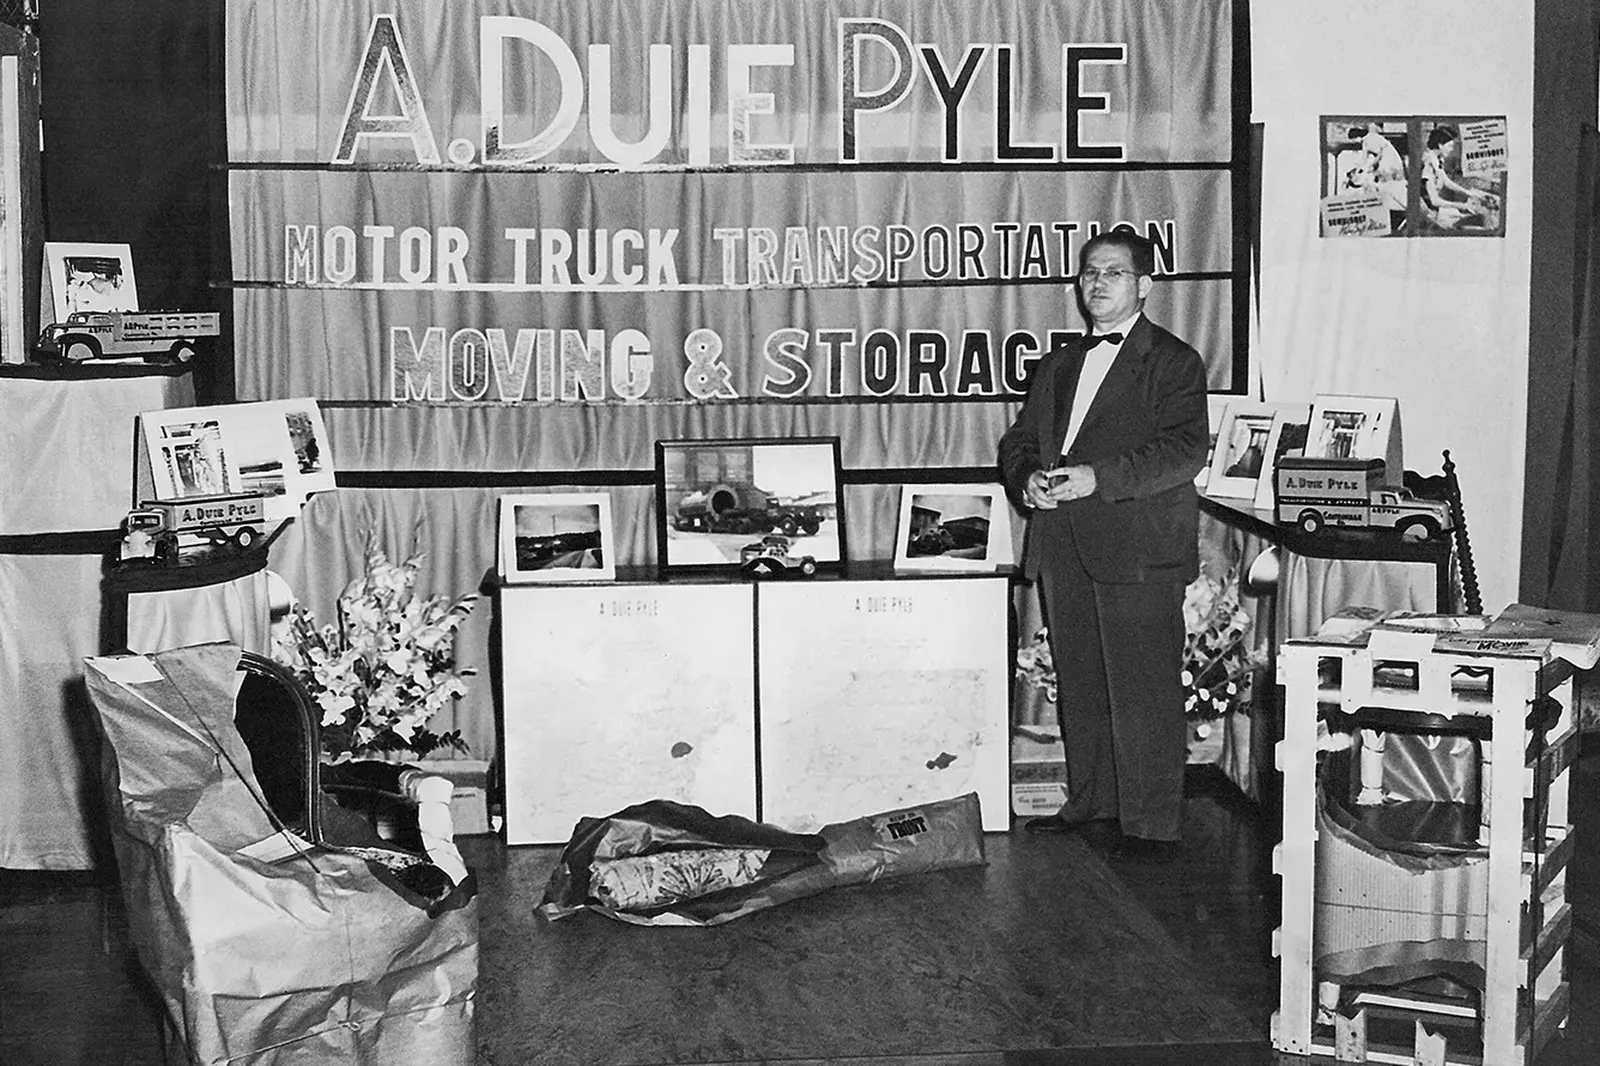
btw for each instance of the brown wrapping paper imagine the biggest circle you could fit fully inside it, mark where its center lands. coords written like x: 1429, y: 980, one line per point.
x: 319, y: 957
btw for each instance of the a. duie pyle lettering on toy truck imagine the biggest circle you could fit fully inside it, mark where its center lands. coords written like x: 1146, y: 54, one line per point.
x: 1314, y: 492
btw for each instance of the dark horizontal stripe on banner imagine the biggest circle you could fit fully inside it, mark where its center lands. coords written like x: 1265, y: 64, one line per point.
x: 487, y: 479
x: 742, y: 401
x: 908, y: 283
x: 91, y: 369
x: 86, y: 542
x: 928, y: 166
x: 508, y: 479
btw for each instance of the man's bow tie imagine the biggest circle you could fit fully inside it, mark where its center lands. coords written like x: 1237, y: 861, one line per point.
x: 1109, y: 338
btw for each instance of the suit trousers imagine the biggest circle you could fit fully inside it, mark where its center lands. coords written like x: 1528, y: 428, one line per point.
x: 1118, y: 652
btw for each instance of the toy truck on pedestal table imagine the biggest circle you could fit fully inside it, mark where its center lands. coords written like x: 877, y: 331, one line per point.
x: 152, y: 530
x: 1316, y: 492
x: 162, y: 336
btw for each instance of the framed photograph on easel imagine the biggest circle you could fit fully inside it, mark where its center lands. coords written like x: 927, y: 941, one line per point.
x: 556, y: 536
x: 720, y: 503
x: 88, y: 277
x: 953, y: 527
x: 1288, y: 437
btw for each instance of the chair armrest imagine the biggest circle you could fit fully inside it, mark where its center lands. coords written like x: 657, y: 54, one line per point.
x: 431, y: 794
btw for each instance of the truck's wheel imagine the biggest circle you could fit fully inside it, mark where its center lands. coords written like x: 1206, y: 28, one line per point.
x: 1418, y: 529
x: 180, y: 352
x: 245, y: 537
x: 80, y: 349
x: 808, y: 566
x: 1310, y: 522
x: 166, y: 553
x: 789, y: 525
x: 810, y: 526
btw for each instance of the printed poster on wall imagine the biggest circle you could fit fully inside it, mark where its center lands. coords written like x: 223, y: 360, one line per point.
x: 487, y: 206
x: 1413, y: 176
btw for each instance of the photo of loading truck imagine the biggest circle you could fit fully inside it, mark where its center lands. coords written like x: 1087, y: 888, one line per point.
x: 1313, y: 493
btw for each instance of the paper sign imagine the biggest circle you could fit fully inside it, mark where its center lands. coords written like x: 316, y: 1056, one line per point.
x: 127, y: 669
x: 1483, y: 148
x: 1355, y: 214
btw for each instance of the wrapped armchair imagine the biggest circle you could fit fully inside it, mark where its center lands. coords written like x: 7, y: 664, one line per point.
x: 277, y: 927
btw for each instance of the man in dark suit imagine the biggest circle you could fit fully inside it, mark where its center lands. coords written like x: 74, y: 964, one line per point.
x: 1103, y: 457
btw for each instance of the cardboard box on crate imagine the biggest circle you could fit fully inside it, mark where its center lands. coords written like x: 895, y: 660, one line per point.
x: 1038, y: 771
x: 469, y: 803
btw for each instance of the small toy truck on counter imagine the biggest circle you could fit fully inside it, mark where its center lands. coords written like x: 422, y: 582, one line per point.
x: 1315, y: 492
x: 153, y: 529
x: 159, y: 336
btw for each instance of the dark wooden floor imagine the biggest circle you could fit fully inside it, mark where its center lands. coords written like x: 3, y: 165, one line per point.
x: 1051, y: 954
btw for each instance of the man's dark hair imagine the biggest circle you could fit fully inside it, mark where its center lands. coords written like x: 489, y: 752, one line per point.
x: 1142, y: 251
x: 1441, y: 136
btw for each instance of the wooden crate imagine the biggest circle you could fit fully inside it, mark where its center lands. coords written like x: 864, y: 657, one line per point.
x: 1512, y: 895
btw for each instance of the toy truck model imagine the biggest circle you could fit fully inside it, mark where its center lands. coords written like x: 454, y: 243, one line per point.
x: 1314, y: 492
x: 168, y: 336
x: 152, y: 530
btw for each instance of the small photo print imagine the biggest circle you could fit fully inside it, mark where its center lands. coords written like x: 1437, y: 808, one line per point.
x: 304, y: 429
x: 194, y: 459
x: 562, y: 536
x: 954, y: 526
x: 1462, y: 186
x: 1247, y: 445
x: 90, y: 277
x: 558, y: 538
x: 1340, y: 431
x: 1364, y: 183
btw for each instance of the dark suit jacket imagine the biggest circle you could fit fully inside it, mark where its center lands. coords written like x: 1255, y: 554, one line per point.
x: 1145, y: 435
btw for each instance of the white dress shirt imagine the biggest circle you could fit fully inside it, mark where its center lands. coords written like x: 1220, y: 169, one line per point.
x: 1096, y: 365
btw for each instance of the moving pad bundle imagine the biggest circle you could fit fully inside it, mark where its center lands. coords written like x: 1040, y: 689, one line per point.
x: 666, y: 863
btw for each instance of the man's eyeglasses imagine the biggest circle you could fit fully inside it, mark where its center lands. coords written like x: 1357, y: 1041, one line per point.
x: 1090, y: 275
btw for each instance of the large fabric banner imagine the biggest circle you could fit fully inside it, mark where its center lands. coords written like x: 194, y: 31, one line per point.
x: 685, y: 213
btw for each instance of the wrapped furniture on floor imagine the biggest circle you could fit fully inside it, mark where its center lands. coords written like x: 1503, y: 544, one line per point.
x: 266, y: 942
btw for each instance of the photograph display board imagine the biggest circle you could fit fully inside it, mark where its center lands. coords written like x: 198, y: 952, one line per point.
x: 953, y: 527
x: 717, y: 499
x: 615, y: 694
x: 879, y: 694
x: 556, y: 536
x: 277, y: 448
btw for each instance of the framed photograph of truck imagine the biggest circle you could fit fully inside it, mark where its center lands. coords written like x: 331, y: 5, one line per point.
x: 716, y: 498
x: 953, y: 528
x: 556, y: 536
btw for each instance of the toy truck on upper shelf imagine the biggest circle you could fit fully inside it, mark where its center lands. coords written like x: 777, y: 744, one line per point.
x: 153, y: 530
x: 1316, y: 492
x: 159, y: 336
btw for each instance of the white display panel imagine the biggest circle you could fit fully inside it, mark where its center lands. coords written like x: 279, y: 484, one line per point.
x: 879, y: 694
x: 617, y: 694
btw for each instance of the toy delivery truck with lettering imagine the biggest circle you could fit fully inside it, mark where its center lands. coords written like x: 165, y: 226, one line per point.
x: 156, y: 529
x: 1313, y: 493
x: 159, y: 336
